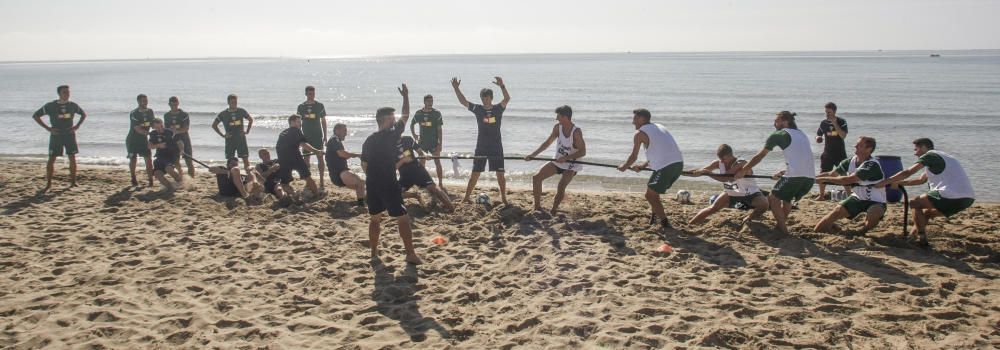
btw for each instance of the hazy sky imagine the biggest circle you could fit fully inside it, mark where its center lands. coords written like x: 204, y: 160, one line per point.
x: 76, y: 29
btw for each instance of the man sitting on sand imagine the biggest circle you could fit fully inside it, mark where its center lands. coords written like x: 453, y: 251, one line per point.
x: 268, y: 170
x: 167, y: 146
x: 62, y: 132
x: 412, y: 173
x: 489, y: 143
x: 950, y: 189
x: 737, y: 193
x: 569, y: 146
x: 866, y: 198
x: 378, y: 159
x: 798, y: 177
x: 336, y: 164
x: 232, y: 183
x: 662, y: 156
x: 289, y: 147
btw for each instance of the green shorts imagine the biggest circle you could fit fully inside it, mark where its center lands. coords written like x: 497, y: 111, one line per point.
x: 137, y: 145
x: 236, y: 146
x: 315, y: 138
x: 60, y: 142
x: 792, y: 188
x: 662, y: 179
x: 855, y: 206
x: 949, y: 206
x: 428, y: 146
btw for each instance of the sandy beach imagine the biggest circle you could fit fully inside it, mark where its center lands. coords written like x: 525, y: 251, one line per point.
x: 104, y: 265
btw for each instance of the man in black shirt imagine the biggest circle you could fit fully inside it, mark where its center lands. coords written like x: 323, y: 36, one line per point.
x: 378, y: 159
x: 412, y: 173
x: 167, y: 146
x: 291, y: 141
x: 336, y: 163
x: 268, y: 170
x: 489, y: 144
x: 834, y: 130
x: 232, y: 183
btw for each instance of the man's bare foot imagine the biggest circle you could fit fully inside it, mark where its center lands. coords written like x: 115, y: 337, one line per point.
x: 413, y: 259
x: 466, y: 200
x: 135, y: 182
x: 73, y: 184
x: 150, y: 183
x: 553, y: 212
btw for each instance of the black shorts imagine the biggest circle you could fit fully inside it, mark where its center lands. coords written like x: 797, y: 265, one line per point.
x: 162, y: 163
x: 387, y: 197
x: 271, y: 184
x: 335, y: 177
x: 419, y: 178
x: 827, y: 161
x: 479, y: 164
x: 744, y: 202
x: 292, y: 163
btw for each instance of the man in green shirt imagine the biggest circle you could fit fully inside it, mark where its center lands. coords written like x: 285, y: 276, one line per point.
x: 140, y: 121
x: 866, y: 198
x: 178, y: 121
x: 431, y: 135
x: 314, y: 127
x: 798, y: 177
x: 236, y: 137
x: 62, y: 132
x: 950, y: 190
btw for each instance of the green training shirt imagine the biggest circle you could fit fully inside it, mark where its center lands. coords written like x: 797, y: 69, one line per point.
x: 933, y: 161
x: 176, y: 121
x: 870, y: 170
x: 312, y: 117
x: 60, y: 114
x: 779, y: 138
x: 233, y: 120
x: 429, y: 123
x: 140, y: 118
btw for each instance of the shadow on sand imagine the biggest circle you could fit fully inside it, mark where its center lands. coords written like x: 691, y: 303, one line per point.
x: 395, y: 298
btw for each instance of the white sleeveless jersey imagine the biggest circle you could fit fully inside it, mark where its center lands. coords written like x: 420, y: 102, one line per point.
x: 564, y: 147
x: 662, y: 149
x: 951, y: 183
x: 738, y: 188
x: 798, y: 156
x: 865, y: 191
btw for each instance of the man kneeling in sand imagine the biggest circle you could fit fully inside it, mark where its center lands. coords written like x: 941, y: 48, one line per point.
x: 737, y: 193
x: 569, y: 146
x: 167, y: 147
x: 232, y: 183
x: 867, y: 196
x: 412, y: 173
x: 268, y: 170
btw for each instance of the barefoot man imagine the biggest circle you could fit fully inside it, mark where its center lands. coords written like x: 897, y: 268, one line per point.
x: 950, y: 189
x: 832, y: 130
x: 314, y: 127
x: 178, y: 121
x: 378, y: 158
x: 236, y: 137
x: 662, y: 156
x: 489, y: 144
x: 140, y: 121
x: 800, y: 172
x: 412, y: 173
x: 737, y: 193
x: 866, y: 198
x: 291, y: 142
x: 166, y: 144
x: 62, y: 132
x: 569, y: 146
x: 336, y: 163
x: 232, y: 182
x: 431, y: 135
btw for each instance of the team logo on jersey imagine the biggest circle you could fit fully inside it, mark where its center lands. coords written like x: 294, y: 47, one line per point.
x: 66, y: 115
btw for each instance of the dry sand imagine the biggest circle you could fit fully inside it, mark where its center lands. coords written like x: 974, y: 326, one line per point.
x: 105, y: 266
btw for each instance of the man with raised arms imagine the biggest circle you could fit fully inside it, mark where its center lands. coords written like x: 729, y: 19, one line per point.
x: 950, y: 189
x: 800, y: 172
x: 232, y: 119
x: 167, y: 146
x: 140, y: 120
x: 62, y: 132
x: 431, y: 135
x: 378, y: 158
x: 336, y: 163
x: 178, y: 121
x: 489, y: 144
x: 864, y: 172
x: 662, y: 156
x: 736, y: 193
x: 569, y: 147
x: 314, y: 127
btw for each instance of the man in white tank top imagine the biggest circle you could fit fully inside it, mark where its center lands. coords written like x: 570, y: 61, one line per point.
x: 569, y: 147
x: 867, y: 197
x: 662, y: 156
x: 797, y: 178
x: 950, y: 189
x: 742, y: 193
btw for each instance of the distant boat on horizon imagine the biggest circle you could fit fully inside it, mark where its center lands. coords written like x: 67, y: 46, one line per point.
x: 935, y: 55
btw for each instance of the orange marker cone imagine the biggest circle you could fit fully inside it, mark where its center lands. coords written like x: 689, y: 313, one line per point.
x: 665, y: 248
x: 439, y: 240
